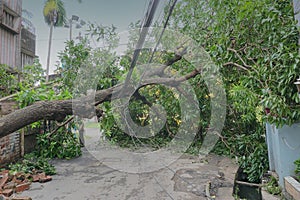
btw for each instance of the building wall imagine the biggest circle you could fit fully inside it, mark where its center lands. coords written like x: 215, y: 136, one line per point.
x: 8, y: 48
x: 10, y: 145
x: 10, y: 148
x: 28, y: 40
x: 10, y: 54
x: 10, y: 25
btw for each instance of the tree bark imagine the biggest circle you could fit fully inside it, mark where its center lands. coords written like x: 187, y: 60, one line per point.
x: 85, y: 106
x: 50, y: 110
x: 59, y: 109
x: 49, y: 51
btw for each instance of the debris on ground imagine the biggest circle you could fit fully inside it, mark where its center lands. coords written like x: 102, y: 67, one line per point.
x: 13, y: 184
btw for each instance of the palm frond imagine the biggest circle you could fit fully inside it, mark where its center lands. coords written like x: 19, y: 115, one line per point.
x: 50, y: 8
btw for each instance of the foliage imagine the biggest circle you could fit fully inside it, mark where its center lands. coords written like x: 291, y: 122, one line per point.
x: 28, y: 96
x: 84, y: 68
x: 249, y: 148
x: 297, y: 168
x: 140, y: 103
x: 13, y: 81
x: 30, y: 163
x: 272, y: 186
x: 72, y: 58
x: 255, y: 44
x: 55, y: 12
x: 8, y: 81
x: 139, y: 112
x: 33, y: 88
x: 62, y: 144
x: 32, y: 74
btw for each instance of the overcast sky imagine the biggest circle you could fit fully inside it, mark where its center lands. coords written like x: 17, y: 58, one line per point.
x: 117, y: 12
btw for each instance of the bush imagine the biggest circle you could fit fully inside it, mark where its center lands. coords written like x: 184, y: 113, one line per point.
x: 31, y: 163
x: 62, y: 144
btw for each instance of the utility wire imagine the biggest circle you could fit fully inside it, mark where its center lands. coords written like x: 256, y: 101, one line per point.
x: 141, y: 41
x: 147, y: 12
x: 159, y: 39
x: 164, y: 28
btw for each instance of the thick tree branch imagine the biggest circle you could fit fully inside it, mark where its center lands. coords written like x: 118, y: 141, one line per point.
x: 58, y: 110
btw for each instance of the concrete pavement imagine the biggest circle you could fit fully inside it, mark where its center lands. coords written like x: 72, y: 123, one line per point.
x: 86, y: 178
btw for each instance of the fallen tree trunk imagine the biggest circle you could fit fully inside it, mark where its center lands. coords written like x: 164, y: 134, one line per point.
x: 58, y: 110
x: 50, y: 110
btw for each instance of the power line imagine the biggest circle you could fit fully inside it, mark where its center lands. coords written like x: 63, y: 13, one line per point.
x: 141, y: 39
x: 159, y: 39
x: 147, y: 13
x: 160, y: 15
x: 164, y: 28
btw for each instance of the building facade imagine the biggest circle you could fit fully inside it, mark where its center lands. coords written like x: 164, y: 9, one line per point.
x: 17, y: 49
x: 10, y: 29
x: 17, y: 36
x: 28, y: 41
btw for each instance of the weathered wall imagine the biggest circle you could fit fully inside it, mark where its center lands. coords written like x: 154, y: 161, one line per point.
x: 10, y: 145
x: 10, y: 148
x: 27, y: 47
x: 10, y: 25
x: 30, y: 139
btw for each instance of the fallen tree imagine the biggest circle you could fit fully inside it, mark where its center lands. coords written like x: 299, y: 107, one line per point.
x: 58, y: 110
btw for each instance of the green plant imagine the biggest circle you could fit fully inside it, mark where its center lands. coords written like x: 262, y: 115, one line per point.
x: 255, y: 44
x: 249, y: 148
x: 62, y: 144
x: 272, y: 186
x: 297, y: 168
x: 31, y: 163
x: 8, y: 81
x: 32, y: 74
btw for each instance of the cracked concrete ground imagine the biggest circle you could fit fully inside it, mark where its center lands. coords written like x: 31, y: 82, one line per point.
x: 87, y: 178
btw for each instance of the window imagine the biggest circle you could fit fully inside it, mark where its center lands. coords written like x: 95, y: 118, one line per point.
x: 10, y: 20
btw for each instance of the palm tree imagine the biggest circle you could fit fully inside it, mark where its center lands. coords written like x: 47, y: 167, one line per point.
x: 55, y: 16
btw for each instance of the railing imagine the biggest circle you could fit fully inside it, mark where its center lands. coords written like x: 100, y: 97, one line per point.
x: 28, y: 41
x: 10, y: 16
x: 27, y: 24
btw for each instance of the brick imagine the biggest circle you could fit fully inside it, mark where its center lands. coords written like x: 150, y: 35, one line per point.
x: 21, y: 198
x: 16, y: 180
x: 10, y: 185
x: 36, y: 178
x: 7, y: 192
x: 27, y: 176
x: 4, y: 172
x: 45, y: 179
x: 3, y: 181
x: 20, y: 177
x: 22, y: 187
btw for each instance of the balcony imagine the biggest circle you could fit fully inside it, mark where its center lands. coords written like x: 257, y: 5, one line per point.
x: 28, y: 42
x: 9, y: 19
